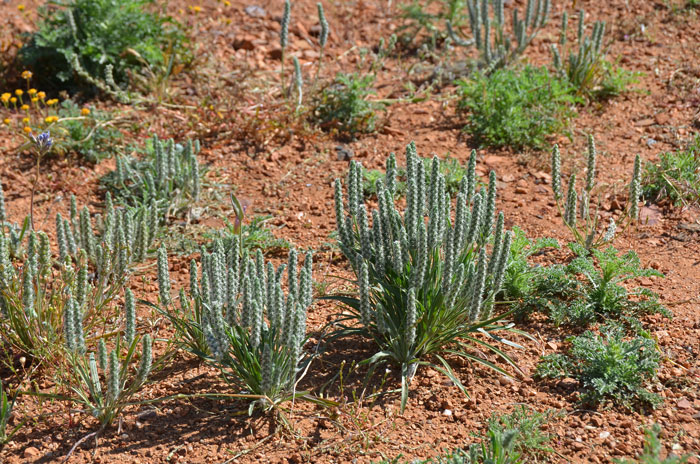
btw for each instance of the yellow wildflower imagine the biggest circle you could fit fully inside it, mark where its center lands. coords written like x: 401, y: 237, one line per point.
x: 26, y: 74
x: 24, y: 107
x: 35, y: 99
x: 13, y: 100
x: 41, y: 95
x: 50, y: 119
x: 31, y: 91
x: 196, y: 9
x: 5, y: 97
x: 27, y: 129
x: 52, y: 102
x: 85, y: 111
x: 7, y: 121
x: 20, y: 7
x: 227, y: 3
x: 19, y: 92
x: 25, y: 120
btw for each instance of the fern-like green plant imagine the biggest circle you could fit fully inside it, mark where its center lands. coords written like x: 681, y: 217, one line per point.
x: 426, y: 288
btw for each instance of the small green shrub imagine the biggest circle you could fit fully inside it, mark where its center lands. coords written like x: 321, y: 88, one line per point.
x: 425, y: 289
x: 93, y: 136
x: 608, y: 366
x: 343, y: 107
x: 101, y: 39
x: 652, y: 450
x: 519, y: 109
x: 676, y: 176
x: 592, y: 287
x: 531, y: 442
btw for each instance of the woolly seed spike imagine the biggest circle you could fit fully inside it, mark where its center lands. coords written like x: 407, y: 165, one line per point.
x: 471, y: 176
x: 102, y: 354
x: 590, y: 172
x: 94, y: 376
x: 70, y: 238
x: 635, y: 188
x: 448, y: 260
x: 323, y: 36
x: 122, y: 249
x: 390, y: 177
x: 284, y: 29
x: 231, y: 301
x: 153, y: 221
x: 44, y: 252
x: 434, y: 182
x: 501, y: 267
x: 28, y: 290
x: 73, y: 210
x: 475, y: 222
x: 556, y: 172
x: 365, y: 308
x: 298, y: 80
x: 490, y: 207
x: 498, y: 10
x: 497, y: 237
x: 570, y: 208
x: 528, y: 12
x: 86, y: 236
x: 459, y: 226
x: 194, y: 277
x: 292, y: 279
x: 146, y: 360
x: 365, y: 237
x: 130, y: 312
x: 81, y: 287
x: 3, y: 212
x: 411, y: 317
x: 397, y: 256
x: 581, y: 15
x: 378, y: 241
x: 79, y: 336
x: 68, y: 325
x: 307, y: 286
x: 33, y: 254
x: 584, y: 205
x: 163, y: 276
x: 340, y: 214
x: 113, y: 381
x: 479, y: 283
x: 610, y: 233
x: 61, y: 238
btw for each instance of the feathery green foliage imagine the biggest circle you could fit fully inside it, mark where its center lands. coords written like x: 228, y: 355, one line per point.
x: 652, y: 450
x: 343, y: 107
x: 676, y: 176
x: 515, y: 108
x: 425, y: 288
x: 608, y: 366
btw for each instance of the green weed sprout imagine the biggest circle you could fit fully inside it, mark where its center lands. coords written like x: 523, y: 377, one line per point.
x: 425, y: 288
x: 652, y: 450
x: 586, y: 230
x: 5, y: 414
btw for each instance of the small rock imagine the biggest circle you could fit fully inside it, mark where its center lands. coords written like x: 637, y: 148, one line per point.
x: 30, y: 452
x: 684, y: 404
x: 604, y: 434
x: 447, y: 413
x: 255, y: 11
x: 520, y: 190
x: 344, y: 153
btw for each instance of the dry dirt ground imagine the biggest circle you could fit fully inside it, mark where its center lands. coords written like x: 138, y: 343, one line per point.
x: 289, y: 175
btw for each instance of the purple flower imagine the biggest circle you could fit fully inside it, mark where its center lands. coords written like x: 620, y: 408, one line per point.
x: 43, y: 142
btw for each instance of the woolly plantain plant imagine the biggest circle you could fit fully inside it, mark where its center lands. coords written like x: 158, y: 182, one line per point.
x: 169, y: 174
x: 586, y: 231
x: 236, y: 317
x: 121, y: 381
x: 496, y: 48
x: 426, y: 288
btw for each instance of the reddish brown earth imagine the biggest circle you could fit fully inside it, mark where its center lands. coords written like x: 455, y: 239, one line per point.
x: 288, y: 173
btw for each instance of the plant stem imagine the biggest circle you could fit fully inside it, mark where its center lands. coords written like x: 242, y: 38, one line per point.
x: 36, y: 180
